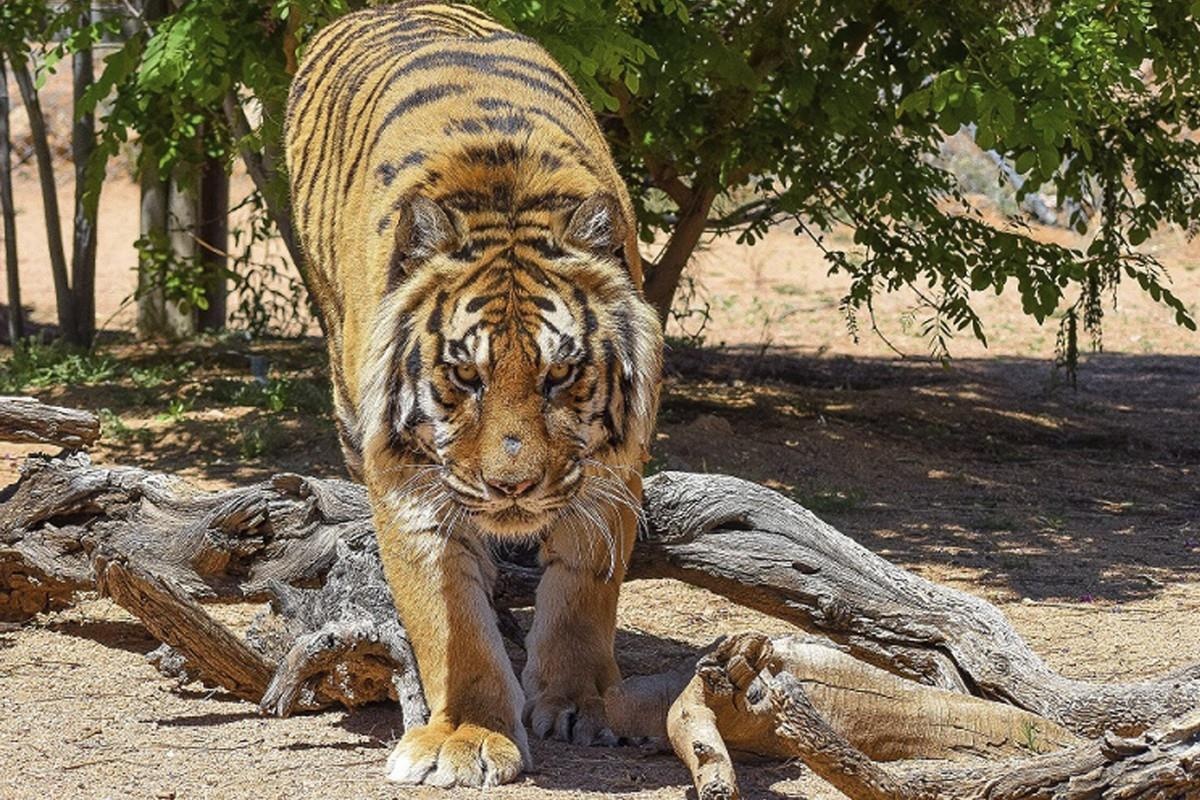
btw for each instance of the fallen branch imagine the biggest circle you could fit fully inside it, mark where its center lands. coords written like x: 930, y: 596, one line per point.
x: 27, y: 419
x: 772, y: 697
x: 759, y: 549
x: 1160, y: 764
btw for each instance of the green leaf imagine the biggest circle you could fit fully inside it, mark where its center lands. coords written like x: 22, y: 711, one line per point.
x: 633, y: 80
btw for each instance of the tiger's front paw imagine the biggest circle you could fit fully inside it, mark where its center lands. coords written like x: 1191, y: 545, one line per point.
x: 442, y: 754
x: 578, y: 720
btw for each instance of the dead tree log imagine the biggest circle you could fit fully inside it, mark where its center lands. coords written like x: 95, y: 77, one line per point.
x: 211, y: 652
x: 885, y: 716
x: 759, y: 549
x: 1160, y: 764
x: 26, y: 419
x: 752, y: 693
x: 213, y: 546
x: 728, y: 535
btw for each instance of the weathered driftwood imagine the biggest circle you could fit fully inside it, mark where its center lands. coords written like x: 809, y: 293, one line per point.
x: 1160, y: 764
x: 731, y: 536
x: 886, y: 717
x: 750, y: 690
x: 759, y: 549
x: 27, y: 419
x: 212, y: 546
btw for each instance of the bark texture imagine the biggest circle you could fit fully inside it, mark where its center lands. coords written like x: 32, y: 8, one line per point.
x: 16, y: 314
x: 1160, y: 764
x: 26, y: 419
x: 749, y: 683
x: 759, y: 549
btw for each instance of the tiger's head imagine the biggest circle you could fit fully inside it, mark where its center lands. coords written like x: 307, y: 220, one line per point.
x: 520, y: 361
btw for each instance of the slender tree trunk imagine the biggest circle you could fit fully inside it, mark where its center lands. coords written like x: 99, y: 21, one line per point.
x: 168, y: 222
x: 153, y: 317
x: 54, y: 238
x: 16, y: 315
x: 663, y: 279
x: 83, y: 254
x: 151, y: 309
x: 183, y: 207
x: 213, y: 233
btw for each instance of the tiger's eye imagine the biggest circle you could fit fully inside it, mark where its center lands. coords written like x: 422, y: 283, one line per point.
x: 466, y: 374
x: 558, y: 372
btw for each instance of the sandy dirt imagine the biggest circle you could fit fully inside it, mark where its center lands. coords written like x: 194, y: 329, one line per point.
x: 1076, y: 512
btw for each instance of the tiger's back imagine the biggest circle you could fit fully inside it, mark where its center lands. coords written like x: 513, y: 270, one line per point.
x: 396, y: 100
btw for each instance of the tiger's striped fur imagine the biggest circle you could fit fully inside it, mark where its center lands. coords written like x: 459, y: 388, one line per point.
x: 495, y: 368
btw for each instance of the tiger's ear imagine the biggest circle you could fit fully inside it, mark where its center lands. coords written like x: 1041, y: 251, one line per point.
x: 424, y: 229
x: 596, y: 225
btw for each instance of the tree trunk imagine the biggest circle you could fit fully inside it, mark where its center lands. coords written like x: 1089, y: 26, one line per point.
x: 213, y: 232
x: 16, y: 314
x: 45, y: 163
x: 155, y: 316
x: 663, y: 278
x: 261, y: 168
x: 151, y: 306
x: 83, y: 253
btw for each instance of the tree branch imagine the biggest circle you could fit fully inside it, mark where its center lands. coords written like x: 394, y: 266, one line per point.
x: 26, y: 419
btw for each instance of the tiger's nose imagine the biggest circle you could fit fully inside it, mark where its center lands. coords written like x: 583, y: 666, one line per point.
x: 511, y: 488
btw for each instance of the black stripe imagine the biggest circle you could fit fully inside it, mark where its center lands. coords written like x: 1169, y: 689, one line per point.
x: 546, y: 248
x: 500, y: 154
x: 552, y: 200
x: 421, y: 97
x: 495, y: 64
x: 413, y: 363
x: 435, y: 317
x: 509, y: 125
x: 477, y: 303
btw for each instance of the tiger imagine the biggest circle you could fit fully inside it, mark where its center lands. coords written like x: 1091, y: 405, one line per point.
x: 496, y: 369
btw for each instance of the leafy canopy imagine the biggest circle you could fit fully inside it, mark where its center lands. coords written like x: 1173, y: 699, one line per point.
x: 737, y: 115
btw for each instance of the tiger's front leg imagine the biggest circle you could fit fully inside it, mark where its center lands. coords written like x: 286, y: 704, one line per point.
x: 441, y: 585
x: 570, y: 644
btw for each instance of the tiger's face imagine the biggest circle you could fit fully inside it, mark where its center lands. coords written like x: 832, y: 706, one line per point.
x: 528, y: 364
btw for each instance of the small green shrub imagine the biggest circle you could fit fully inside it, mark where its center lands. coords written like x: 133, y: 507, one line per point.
x: 36, y: 365
x: 261, y: 437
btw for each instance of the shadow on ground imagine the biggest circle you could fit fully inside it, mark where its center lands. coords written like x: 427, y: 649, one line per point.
x: 992, y: 466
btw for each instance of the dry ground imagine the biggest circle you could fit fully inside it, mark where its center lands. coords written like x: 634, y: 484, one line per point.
x: 1077, y: 512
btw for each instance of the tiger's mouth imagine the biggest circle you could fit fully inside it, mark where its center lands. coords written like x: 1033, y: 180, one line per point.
x: 525, y: 516
x: 513, y: 521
